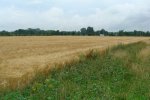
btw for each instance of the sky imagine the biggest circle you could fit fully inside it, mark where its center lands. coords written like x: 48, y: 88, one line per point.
x: 71, y: 15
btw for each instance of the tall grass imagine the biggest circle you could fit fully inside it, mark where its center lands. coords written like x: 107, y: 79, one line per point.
x: 116, y: 73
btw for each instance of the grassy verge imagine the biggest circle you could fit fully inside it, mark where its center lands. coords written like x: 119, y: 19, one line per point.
x: 122, y: 72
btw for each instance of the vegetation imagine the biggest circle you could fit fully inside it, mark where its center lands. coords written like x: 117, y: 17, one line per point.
x: 122, y: 72
x: 84, y: 31
x: 22, y: 57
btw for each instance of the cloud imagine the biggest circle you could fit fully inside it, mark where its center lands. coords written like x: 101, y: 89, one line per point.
x: 74, y: 14
x: 140, y: 21
x: 36, y: 1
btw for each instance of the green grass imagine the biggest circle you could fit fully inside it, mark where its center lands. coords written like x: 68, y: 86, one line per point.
x: 117, y: 73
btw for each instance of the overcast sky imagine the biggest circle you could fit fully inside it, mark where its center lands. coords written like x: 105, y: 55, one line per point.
x: 112, y: 15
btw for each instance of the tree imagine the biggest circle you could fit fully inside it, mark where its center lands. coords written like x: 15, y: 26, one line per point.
x: 4, y: 33
x: 102, y: 31
x: 121, y: 33
x: 90, y: 30
x: 83, y: 31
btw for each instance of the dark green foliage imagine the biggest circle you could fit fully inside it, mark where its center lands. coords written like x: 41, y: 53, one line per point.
x: 97, y: 76
x: 83, y: 31
x: 89, y: 31
x: 102, y: 31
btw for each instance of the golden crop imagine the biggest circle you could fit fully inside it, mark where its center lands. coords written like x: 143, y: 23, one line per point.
x: 22, y: 57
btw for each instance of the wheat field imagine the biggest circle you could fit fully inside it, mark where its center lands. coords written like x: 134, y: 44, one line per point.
x: 21, y: 58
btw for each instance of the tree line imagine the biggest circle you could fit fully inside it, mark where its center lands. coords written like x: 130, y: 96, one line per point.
x: 89, y: 31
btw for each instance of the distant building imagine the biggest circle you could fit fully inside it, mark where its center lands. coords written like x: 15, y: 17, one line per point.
x: 101, y: 35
